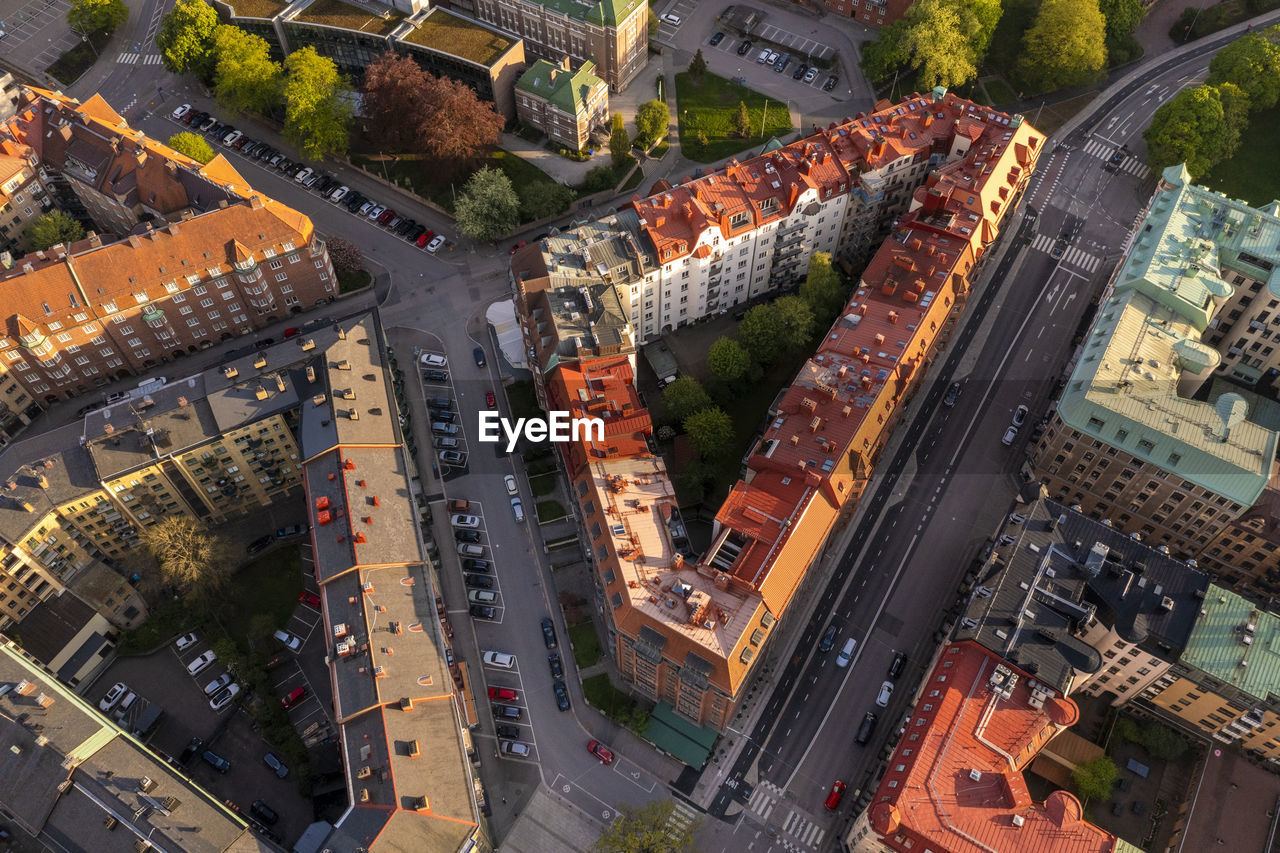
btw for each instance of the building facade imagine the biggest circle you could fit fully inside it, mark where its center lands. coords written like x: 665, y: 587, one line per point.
x: 873, y: 13
x: 565, y: 105
x: 202, y: 257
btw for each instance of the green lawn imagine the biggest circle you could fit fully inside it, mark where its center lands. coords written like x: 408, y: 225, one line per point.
x: 1253, y: 174
x: 614, y: 704
x: 709, y: 107
x: 523, y: 399
x: 542, y: 484
x: 1000, y: 91
x: 586, y: 645
x: 351, y: 282
x: 265, y: 591
x: 424, y: 178
x: 550, y: 510
x: 70, y: 65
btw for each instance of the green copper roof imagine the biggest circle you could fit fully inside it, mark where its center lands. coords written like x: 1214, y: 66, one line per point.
x: 607, y: 13
x: 1146, y: 339
x: 1221, y: 639
x: 567, y: 90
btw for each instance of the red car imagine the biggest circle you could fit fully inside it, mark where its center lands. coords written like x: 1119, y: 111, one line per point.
x: 518, y: 246
x: 503, y: 694
x: 600, y: 751
x: 387, y: 216
x: 310, y: 599
x: 833, y: 799
x: 426, y: 238
x: 291, y: 331
x: 490, y: 400
x: 295, y: 696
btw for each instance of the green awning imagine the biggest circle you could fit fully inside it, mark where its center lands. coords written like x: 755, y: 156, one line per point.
x: 676, y: 736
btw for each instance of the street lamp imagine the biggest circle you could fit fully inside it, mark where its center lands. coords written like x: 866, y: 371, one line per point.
x: 84, y: 38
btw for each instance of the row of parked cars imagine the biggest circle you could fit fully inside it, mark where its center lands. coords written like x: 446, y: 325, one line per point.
x: 327, y: 186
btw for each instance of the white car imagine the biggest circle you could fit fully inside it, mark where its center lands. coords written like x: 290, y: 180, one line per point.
x: 516, y: 748
x: 182, y: 110
x: 435, y: 244
x: 501, y: 659
x: 511, y: 484
x: 482, y: 596
x: 1009, y: 435
x: 339, y: 194
x: 201, y: 663
x: 186, y: 641
x: 303, y: 175
x: 113, y: 696
x: 435, y: 359
x: 810, y: 75
x: 465, y: 520
x: 673, y: 20
x: 763, y: 57
x: 224, y: 698
x: 291, y: 642
x: 217, y: 684
x: 230, y: 138
x: 1019, y: 416
x: 886, y: 690
x: 377, y: 210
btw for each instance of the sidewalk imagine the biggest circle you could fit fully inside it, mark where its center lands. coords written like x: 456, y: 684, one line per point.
x: 1153, y: 32
x: 562, y: 169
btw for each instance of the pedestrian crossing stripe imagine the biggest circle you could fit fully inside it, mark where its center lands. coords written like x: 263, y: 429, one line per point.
x: 681, y: 816
x: 1097, y: 148
x: 127, y: 58
x: 132, y: 58
x: 761, y: 803
x: 1074, y: 257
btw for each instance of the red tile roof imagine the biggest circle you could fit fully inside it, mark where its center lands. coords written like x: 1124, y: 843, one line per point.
x: 977, y: 724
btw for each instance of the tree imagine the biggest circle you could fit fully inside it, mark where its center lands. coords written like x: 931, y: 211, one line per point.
x: 619, y: 143
x: 1252, y: 62
x: 742, y: 121
x: 346, y: 256
x: 647, y: 829
x: 1191, y: 128
x: 986, y: 14
x: 710, y: 432
x: 939, y: 40
x: 51, y: 229
x: 795, y: 320
x: 1122, y: 17
x: 761, y: 333
x: 683, y: 398
x: 457, y: 126
x: 692, y: 481
x: 244, y: 77
x: 90, y: 16
x: 822, y: 288
x: 185, y: 38
x: 488, y: 206
x: 540, y: 199
x: 193, y: 145
x: 1095, y: 777
x: 697, y: 66
x: 885, y: 56
x: 1066, y: 46
x: 1162, y: 741
x: 317, y: 104
x: 394, y: 94
x: 1235, y: 117
x: 191, y: 558
x: 728, y: 360
x: 652, y: 120
x: 654, y: 23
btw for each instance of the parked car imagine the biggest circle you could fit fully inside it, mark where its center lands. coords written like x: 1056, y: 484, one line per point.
x: 189, y: 751
x: 744, y: 48
x: 477, y: 581
x: 291, y: 642
x: 216, y: 761
x: 515, y: 247
x: 454, y: 457
x: 424, y: 238
x: 472, y: 565
x: 1019, y: 416
x: 479, y: 611
x: 376, y: 211
x: 548, y: 632
x: 510, y: 482
x: 800, y: 71
x: 557, y: 668
x: 303, y: 175
x: 433, y: 375
x: 504, y: 694
x: 113, y: 696
x: 470, y: 549
x: 506, y: 731
x: 217, y: 684
x: 562, y: 695
x: 339, y: 194
x: 291, y: 531
x: 182, y: 111
x: 200, y: 663
x: 309, y: 598
x: 125, y: 704
x: 261, y: 810
x: 417, y: 232
x: 833, y: 799
x: 482, y: 596
x: 499, y: 659
x: 444, y: 442
x: 668, y: 18
x: 186, y: 641
x: 434, y: 359
x: 810, y: 75
x: 443, y: 428
x: 478, y: 355
x: 828, y: 640
x: 463, y: 520
x: 294, y: 696
x: 506, y: 712
x: 895, y: 668
x: 866, y: 729
x: 716, y: 39
x: 517, y: 509
x: 517, y: 748
x: 886, y: 691
x: 600, y: 751
x: 232, y: 138
x: 830, y: 84
x: 224, y: 697
x: 435, y: 244
x: 1009, y: 435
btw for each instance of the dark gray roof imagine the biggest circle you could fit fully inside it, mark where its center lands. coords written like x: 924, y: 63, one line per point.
x: 1049, y: 574
x: 51, y: 624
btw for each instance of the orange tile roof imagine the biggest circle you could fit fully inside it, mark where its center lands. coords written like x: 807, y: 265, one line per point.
x: 978, y: 723
x: 605, y: 389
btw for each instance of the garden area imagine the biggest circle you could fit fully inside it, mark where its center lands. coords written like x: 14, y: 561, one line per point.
x: 68, y: 67
x: 708, y: 108
x: 1252, y: 174
x: 615, y: 704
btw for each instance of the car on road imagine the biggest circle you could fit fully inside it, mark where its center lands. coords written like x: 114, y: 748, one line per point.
x: 1009, y: 435
x: 506, y: 731
x: 482, y: 596
x: 515, y: 247
x: 510, y: 482
x: 506, y: 712
x: 833, y: 799
x: 435, y: 244
x: 477, y: 565
x: 600, y: 751
x: 261, y: 810
x: 200, y: 663
x: 224, y: 697
x: 291, y: 531
x: 548, y: 632
x: 744, y: 48
x: 464, y: 535
x: 846, y: 654
x: 504, y: 694
x: 810, y: 75
x: 952, y: 394
x: 186, y: 641
x: 309, y: 598
x: 461, y: 520
x: 490, y: 399
x: 886, y: 691
x: 557, y: 668
x: 716, y: 39
x: 895, y: 668
x: 478, y: 355
x: 828, y: 640
x: 291, y: 642
x: 477, y: 581
x: 294, y: 696
x: 217, y: 684
x: 479, y: 611
x: 1019, y: 416
x: 866, y: 728
x: 830, y: 84
x: 92, y: 407
x: 113, y: 696
x: 217, y: 762
x: 562, y: 695
x: 182, y: 110
x: 517, y: 748
x: 499, y: 659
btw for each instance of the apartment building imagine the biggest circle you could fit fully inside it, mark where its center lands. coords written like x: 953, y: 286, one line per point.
x: 1128, y: 442
x: 565, y: 105
x: 23, y: 198
x: 873, y: 13
x: 955, y: 783
x: 1246, y: 550
x: 613, y: 34
x: 205, y: 258
x: 686, y: 629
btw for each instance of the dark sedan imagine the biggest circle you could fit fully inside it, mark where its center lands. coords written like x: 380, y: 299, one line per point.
x: 548, y: 632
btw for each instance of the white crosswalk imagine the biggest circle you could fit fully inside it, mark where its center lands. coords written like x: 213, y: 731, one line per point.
x: 1075, y: 257
x: 1098, y: 148
x: 803, y: 829
x: 131, y: 58
x: 683, y: 815
x: 761, y: 803
x: 1130, y: 164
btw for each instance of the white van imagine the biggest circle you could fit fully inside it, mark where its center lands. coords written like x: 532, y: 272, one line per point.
x: 846, y: 654
x: 673, y: 20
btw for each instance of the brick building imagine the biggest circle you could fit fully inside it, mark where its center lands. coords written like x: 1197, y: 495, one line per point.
x: 873, y: 13
x: 566, y: 105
